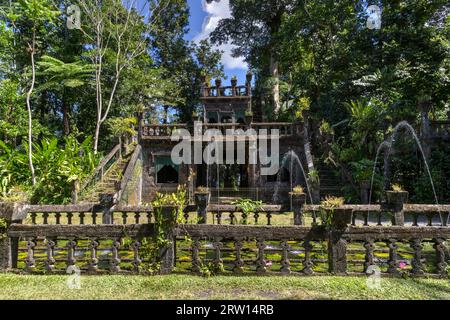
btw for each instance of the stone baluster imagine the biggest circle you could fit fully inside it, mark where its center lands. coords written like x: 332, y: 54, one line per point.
x: 379, y: 218
x: 269, y: 218
x: 244, y: 218
x: 69, y: 217
x: 256, y: 217
x: 94, y: 218
x: 124, y: 217
x: 415, y: 219
x: 81, y: 215
x: 366, y: 218
x: 430, y: 216
x: 149, y: 217
x: 196, y: 263
x: 93, y: 261
x: 71, y: 247
x: 137, y: 217
x: 261, y: 262
x: 441, y: 256
x: 238, y: 262
x: 393, y: 256
x: 30, y: 262
x: 45, y: 217
x: 58, y: 218
x: 136, y: 245
x: 219, y: 217
x: 416, y: 262
x: 115, y: 259
x: 369, y: 256
x: 50, y: 262
x: 33, y: 217
x: 285, y: 263
x: 232, y: 217
x: 307, y: 262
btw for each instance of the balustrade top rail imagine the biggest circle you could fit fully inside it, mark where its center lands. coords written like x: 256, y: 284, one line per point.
x: 440, y: 129
x: 226, y: 92
x: 165, y: 131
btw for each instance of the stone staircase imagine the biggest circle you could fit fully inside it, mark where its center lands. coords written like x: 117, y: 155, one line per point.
x: 330, y: 183
x: 109, y: 183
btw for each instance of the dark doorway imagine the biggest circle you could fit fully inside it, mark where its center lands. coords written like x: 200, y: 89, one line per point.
x: 167, y: 174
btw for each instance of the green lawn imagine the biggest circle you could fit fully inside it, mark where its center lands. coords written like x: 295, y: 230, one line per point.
x: 221, y: 287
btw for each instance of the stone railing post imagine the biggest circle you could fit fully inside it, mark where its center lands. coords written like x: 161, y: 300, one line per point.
x: 202, y: 201
x: 337, y: 252
x: 9, y: 247
x: 298, y: 201
x: 107, y: 202
x: 168, y: 216
x: 394, y: 203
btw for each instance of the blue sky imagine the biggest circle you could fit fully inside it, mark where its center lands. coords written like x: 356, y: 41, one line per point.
x: 204, y: 17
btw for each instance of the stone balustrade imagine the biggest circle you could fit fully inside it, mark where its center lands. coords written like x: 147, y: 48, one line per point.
x: 53, y: 246
x: 165, y: 131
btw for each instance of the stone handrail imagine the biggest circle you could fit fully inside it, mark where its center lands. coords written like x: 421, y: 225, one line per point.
x: 103, y: 167
x: 128, y: 174
x: 287, y: 241
x: 164, y: 131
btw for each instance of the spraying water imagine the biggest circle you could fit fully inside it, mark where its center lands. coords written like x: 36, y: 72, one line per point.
x: 292, y: 156
x: 389, y: 145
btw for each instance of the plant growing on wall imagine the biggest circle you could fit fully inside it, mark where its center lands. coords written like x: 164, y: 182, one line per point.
x: 152, y: 246
x: 248, y: 206
x: 3, y: 228
x: 327, y: 208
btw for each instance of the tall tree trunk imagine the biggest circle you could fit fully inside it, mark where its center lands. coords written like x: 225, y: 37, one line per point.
x: 66, y: 112
x: 276, y: 83
x: 28, y: 100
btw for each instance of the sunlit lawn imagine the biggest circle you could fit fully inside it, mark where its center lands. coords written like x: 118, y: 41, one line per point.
x: 221, y: 287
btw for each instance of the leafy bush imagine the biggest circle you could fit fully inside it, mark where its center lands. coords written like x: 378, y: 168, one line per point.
x: 57, y: 168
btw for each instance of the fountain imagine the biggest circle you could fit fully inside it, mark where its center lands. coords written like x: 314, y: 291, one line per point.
x: 389, y: 146
x: 293, y: 157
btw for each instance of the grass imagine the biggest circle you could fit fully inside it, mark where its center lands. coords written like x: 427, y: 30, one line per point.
x: 13, y: 286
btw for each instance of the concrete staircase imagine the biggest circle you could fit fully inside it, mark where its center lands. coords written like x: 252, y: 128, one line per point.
x: 110, y: 182
x: 330, y: 183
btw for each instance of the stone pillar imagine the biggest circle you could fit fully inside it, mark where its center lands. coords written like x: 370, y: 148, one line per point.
x: 298, y: 201
x: 394, y: 203
x: 9, y: 247
x: 202, y: 201
x: 167, y: 253
x: 337, y: 252
x: 107, y: 201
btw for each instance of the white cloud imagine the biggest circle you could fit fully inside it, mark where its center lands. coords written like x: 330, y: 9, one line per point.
x: 217, y: 11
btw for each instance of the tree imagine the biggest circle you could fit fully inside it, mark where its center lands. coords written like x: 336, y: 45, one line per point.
x: 181, y: 61
x: 64, y: 75
x: 116, y: 32
x: 254, y: 27
x: 36, y: 13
